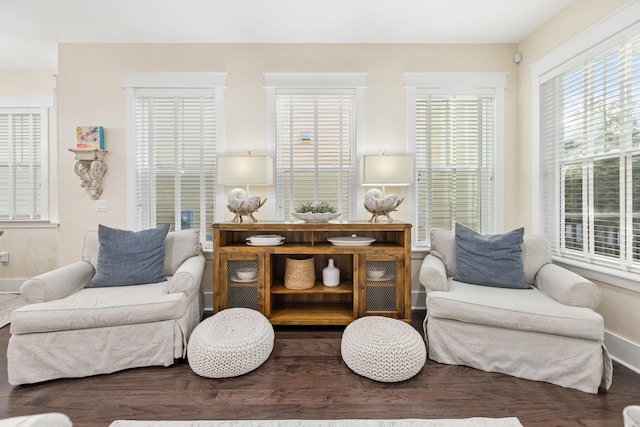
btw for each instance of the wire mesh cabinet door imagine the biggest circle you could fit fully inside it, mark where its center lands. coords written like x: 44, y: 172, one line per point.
x: 241, y: 281
x: 381, y: 286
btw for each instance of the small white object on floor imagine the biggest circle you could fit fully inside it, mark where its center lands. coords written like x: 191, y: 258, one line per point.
x: 370, y: 347
x: 464, y: 422
x: 230, y: 343
x: 49, y: 419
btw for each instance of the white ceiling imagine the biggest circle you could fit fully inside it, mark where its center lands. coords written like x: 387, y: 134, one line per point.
x: 31, y: 29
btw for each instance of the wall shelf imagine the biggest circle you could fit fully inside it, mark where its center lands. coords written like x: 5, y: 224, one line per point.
x: 91, y: 168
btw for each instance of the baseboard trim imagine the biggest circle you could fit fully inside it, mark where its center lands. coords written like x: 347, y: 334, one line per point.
x: 418, y: 300
x: 623, y: 351
x: 208, y: 301
x: 11, y: 285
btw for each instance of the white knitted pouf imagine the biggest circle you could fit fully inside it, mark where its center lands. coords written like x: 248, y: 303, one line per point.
x: 383, y: 349
x: 232, y: 342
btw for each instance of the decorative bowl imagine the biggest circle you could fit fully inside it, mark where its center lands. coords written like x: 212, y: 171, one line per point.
x: 316, y: 217
x: 375, y: 274
x: 246, y: 273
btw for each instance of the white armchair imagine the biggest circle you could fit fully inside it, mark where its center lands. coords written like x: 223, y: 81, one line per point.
x: 71, y: 329
x: 549, y: 332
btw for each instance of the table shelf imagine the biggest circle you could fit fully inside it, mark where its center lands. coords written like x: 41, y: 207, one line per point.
x: 355, y: 296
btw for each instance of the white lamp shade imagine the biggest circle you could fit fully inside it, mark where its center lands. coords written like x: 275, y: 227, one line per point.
x: 387, y: 170
x: 245, y: 170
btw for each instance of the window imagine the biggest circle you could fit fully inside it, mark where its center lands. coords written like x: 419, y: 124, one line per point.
x: 456, y: 134
x: 315, y: 138
x: 23, y: 158
x: 590, y: 157
x: 174, y: 133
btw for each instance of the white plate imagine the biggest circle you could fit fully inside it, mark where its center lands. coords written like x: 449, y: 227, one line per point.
x: 265, y: 239
x: 380, y: 279
x: 239, y: 280
x: 351, y: 241
x: 265, y: 244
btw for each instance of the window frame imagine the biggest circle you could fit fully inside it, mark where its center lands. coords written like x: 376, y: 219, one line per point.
x: 37, y: 105
x: 459, y: 83
x: 167, y: 83
x: 597, y: 39
x: 320, y: 83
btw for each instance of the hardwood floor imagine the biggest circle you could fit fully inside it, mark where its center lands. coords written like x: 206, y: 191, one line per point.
x: 305, y: 378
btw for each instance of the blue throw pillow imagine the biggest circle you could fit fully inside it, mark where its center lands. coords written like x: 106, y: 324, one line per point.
x: 490, y: 260
x: 130, y: 258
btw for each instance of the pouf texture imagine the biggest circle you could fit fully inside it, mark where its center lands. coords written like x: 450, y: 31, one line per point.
x: 230, y: 343
x: 383, y: 349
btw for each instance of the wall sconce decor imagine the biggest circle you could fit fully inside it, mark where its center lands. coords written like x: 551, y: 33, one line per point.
x: 244, y: 170
x: 91, y: 168
x: 382, y: 170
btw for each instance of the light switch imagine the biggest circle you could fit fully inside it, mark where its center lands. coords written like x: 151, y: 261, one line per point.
x: 101, y: 206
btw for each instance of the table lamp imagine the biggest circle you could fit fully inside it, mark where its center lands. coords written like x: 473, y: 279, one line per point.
x: 244, y: 170
x: 382, y: 170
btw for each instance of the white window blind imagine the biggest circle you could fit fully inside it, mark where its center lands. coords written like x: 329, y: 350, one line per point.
x: 22, y: 142
x: 175, y: 158
x: 315, y: 149
x: 455, y: 138
x: 590, y: 158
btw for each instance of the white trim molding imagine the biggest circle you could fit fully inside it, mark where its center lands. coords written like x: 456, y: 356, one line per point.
x: 459, y: 80
x: 605, y: 34
x: 607, y: 31
x: 140, y: 82
x: 27, y: 101
x: 173, y: 80
x: 315, y: 80
x: 452, y: 83
x: 623, y: 351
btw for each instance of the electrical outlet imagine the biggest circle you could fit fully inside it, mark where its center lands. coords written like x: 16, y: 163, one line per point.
x: 4, y: 256
x: 101, y: 206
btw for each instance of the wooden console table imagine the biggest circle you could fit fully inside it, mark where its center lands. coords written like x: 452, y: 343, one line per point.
x: 356, y: 295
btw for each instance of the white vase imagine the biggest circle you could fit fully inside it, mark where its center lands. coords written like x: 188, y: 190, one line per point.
x: 331, y: 274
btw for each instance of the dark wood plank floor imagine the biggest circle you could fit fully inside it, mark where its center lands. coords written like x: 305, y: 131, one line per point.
x: 305, y: 378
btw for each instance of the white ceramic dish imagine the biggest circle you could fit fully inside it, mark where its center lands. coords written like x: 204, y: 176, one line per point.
x: 316, y: 217
x: 380, y: 279
x: 351, y: 240
x: 239, y: 280
x: 265, y: 240
x: 262, y: 244
x: 375, y: 274
x: 246, y: 273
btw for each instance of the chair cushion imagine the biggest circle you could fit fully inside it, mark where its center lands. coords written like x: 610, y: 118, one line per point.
x: 443, y: 245
x: 535, y: 252
x: 178, y: 247
x: 490, y: 260
x: 130, y: 258
x: 101, y: 307
x: 518, y: 309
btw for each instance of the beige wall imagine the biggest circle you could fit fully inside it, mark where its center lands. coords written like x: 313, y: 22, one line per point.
x: 619, y: 306
x: 90, y: 92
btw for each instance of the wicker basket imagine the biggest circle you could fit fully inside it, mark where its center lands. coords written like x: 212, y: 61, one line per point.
x: 299, y: 273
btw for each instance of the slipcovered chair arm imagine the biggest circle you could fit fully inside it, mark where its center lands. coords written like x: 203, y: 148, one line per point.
x: 433, y: 274
x: 57, y: 284
x: 568, y: 287
x: 188, y: 276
